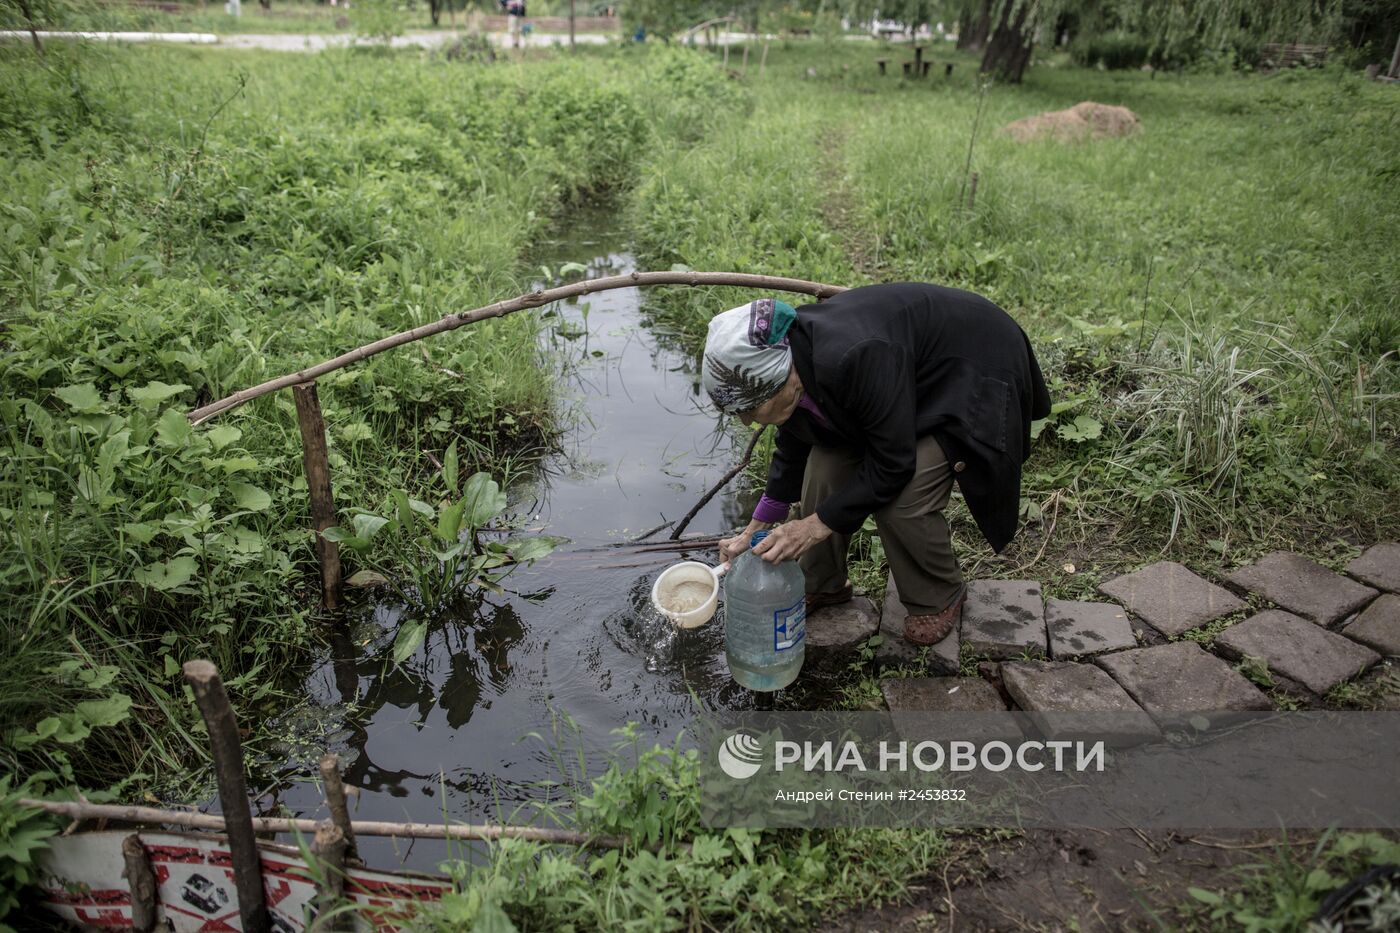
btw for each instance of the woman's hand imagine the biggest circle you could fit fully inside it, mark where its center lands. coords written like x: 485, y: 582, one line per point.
x: 791, y: 540
x: 730, y: 548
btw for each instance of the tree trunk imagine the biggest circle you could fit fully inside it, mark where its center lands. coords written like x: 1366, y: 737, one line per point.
x: 973, y: 26
x: 1009, y: 50
x: 1394, y: 71
x: 435, y: 11
x: 266, y: 5
x: 34, y: 33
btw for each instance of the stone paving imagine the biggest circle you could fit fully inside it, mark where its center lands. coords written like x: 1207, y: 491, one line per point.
x: 833, y: 632
x: 1170, y: 598
x: 1078, y: 629
x: 1004, y: 619
x: 1303, y: 587
x: 1379, y: 567
x: 1326, y: 630
x: 1297, y: 649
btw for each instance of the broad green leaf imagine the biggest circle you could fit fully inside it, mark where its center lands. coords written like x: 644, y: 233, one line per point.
x: 532, y: 548
x: 484, y: 500
x: 84, y: 398
x: 167, y: 574
x: 449, y: 468
x: 1205, y: 897
x: 140, y: 532
x: 1038, y: 426
x: 1062, y: 407
x: 367, y: 526
x: 450, y: 521
x: 408, y: 640
x: 153, y: 393
x: 173, y: 428
x: 572, y: 268
x: 355, y: 431
x: 422, y: 508
x: 366, y: 578
x: 105, y: 712
x: 250, y: 497
x: 1084, y: 428
x: 223, y: 435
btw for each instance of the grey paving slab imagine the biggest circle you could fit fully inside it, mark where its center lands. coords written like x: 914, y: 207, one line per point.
x: 1004, y: 618
x: 1296, y: 648
x: 1083, y: 628
x: 1379, y: 566
x: 1051, y: 690
x: 894, y: 651
x: 1171, y: 598
x: 1181, y: 677
x: 941, y: 695
x: 833, y: 632
x: 1302, y: 587
x: 937, y: 707
x: 1378, y: 627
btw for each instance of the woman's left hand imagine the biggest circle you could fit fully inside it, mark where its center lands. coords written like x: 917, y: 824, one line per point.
x: 791, y: 540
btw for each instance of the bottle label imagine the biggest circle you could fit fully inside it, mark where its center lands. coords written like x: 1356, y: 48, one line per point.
x: 790, y: 626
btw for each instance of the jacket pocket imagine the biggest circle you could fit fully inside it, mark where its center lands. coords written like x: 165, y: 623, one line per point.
x: 988, y: 415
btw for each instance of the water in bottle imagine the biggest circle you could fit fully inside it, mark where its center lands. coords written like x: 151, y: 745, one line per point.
x: 765, y: 620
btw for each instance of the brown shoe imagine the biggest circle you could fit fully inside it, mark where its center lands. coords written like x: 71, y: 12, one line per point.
x: 818, y: 600
x: 925, y: 630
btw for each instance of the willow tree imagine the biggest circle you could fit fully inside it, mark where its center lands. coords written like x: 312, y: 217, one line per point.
x: 1016, y: 25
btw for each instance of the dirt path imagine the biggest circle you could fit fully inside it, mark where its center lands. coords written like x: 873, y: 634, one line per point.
x: 1083, y: 880
x: 840, y: 212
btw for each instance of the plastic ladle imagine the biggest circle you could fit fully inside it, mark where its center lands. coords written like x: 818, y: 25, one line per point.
x: 670, y: 591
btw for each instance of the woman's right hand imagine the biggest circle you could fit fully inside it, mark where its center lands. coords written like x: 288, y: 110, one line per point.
x: 730, y: 548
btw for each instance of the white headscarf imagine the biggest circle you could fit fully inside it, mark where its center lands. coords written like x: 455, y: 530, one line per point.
x: 747, y: 357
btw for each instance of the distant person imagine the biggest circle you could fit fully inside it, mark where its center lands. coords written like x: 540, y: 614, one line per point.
x: 515, y: 16
x: 883, y: 396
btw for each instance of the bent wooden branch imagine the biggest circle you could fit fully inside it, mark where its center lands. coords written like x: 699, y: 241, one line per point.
x: 264, y: 824
x: 532, y: 300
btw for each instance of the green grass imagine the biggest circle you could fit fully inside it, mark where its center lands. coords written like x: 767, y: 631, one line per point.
x: 1211, y: 297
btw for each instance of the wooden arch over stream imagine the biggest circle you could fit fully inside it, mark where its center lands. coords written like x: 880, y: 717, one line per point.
x: 315, y: 455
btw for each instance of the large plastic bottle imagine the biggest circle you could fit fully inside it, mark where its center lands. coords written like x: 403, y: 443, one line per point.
x: 765, y: 620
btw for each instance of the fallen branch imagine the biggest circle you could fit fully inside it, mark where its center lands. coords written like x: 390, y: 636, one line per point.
x: 264, y: 824
x: 502, y: 308
x: 724, y: 481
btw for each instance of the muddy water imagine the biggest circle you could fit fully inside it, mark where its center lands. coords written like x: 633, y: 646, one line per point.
x: 448, y: 733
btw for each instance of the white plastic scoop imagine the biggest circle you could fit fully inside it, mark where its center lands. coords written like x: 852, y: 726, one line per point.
x: 687, y: 593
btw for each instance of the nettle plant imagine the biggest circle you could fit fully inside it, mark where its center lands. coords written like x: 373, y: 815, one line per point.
x: 432, y: 553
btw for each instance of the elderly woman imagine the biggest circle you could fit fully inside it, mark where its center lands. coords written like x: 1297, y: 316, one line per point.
x: 883, y: 396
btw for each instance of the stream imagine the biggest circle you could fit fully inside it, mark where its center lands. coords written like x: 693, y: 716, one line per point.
x: 466, y: 728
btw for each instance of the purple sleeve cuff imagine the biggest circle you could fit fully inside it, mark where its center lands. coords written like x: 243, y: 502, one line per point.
x: 770, y: 510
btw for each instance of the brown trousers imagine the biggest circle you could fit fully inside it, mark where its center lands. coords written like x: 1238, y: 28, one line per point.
x: 912, y: 529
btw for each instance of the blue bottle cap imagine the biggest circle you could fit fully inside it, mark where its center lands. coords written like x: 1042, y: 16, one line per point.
x: 757, y: 537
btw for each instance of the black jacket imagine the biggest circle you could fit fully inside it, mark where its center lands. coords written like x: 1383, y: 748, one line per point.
x: 888, y: 364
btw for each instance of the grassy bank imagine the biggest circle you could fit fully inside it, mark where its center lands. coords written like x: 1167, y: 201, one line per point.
x: 1210, y: 297
x: 181, y: 224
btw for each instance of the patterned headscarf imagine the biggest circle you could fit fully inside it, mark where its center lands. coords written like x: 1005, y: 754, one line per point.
x: 746, y: 354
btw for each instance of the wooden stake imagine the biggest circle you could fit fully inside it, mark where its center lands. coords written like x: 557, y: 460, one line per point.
x: 762, y: 62
x: 1394, y: 71
x: 726, y: 56
x: 233, y: 792
x: 972, y: 194
x: 571, y: 23
x: 142, y: 882
x: 316, y: 461
x: 746, y: 58
x: 328, y: 849
x: 335, y: 802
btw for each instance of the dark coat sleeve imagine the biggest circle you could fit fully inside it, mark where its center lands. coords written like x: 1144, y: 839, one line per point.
x: 875, y: 383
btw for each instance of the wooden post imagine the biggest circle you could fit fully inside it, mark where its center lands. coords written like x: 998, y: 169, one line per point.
x: 233, y: 792
x: 762, y: 62
x: 316, y: 462
x: 571, y: 24
x: 746, y: 58
x: 142, y: 882
x: 328, y: 849
x: 1394, y: 71
x: 972, y: 194
x: 726, y: 57
x: 335, y: 801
